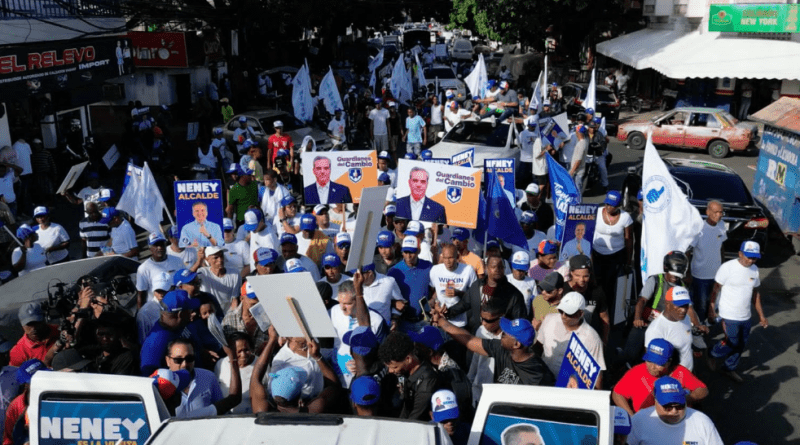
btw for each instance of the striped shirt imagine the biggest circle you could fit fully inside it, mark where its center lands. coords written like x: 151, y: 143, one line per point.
x: 95, y: 234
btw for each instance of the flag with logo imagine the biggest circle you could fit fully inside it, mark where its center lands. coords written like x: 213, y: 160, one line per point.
x: 671, y: 222
x: 142, y: 199
x: 301, y: 96
x: 536, y: 98
x: 330, y: 93
x: 477, y: 79
x: 496, y: 216
x: 376, y: 61
x: 591, y: 94
x: 564, y: 191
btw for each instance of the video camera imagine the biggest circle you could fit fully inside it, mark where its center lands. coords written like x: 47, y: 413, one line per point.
x: 64, y: 299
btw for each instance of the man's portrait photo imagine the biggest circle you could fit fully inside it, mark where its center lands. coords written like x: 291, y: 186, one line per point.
x: 417, y: 206
x: 323, y: 190
x: 201, y: 232
x: 522, y: 434
x: 578, y: 245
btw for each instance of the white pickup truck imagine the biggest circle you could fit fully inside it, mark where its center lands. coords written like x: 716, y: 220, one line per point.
x: 89, y: 409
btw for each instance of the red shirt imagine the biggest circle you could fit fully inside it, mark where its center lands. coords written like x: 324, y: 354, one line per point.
x: 26, y: 349
x: 15, y: 409
x: 637, y: 385
x: 275, y: 143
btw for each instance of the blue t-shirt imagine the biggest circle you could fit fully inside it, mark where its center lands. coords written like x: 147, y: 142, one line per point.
x: 154, y: 348
x: 415, y: 125
x: 412, y: 281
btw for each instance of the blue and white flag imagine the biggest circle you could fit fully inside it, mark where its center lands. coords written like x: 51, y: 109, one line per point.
x: 142, y: 199
x: 465, y: 158
x: 536, y: 98
x: 376, y: 61
x: 301, y: 96
x: 558, y: 124
x: 564, y: 192
x: 496, y: 217
x: 477, y: 79
x: 329, y: 93
x: 671, y: 222
x: 591, y: 94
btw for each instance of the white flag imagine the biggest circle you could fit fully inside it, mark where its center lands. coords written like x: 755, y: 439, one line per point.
x: 372, y: 79
x: 329, y: 93
x: 477, y: 79
x: 376, y: 61
x: 591, y: 94
x: 536, y: 98
x: 420, y: 74
x: 301, y: 95
x: 400, y: 82
x: 142, y: 199
x: 671, y: 222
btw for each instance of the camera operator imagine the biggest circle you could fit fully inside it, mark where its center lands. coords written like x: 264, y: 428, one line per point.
x: 93, y: 301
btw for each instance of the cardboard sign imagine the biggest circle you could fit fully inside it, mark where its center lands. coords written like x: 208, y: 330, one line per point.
x: 554, y: 124
x: 199, y: 212
x: 72, y: 177
x: 504, y: 168
x: 449, y: 194
x: 272, y: 292
x: 578, y: 231
x: 72, y: 422
x: 111, y: 157
x: 343, y: 174
x: 368, y: 224
x: 464, y: 159
x: 578, y: 369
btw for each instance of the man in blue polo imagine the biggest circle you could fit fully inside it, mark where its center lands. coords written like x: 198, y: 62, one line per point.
x: 413, y: 275
x: 176, y: 311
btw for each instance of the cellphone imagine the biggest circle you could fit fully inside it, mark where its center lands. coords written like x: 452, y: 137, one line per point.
x: 425, y: 307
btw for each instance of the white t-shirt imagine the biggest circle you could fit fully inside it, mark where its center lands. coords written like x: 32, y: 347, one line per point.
x: 151, y: 271
x: 554, y: 337
x: 679, y: 333
x: 35, y: 258
x: 222, y: 288
x: 187, y: 256
x: 380, y: 294
x: 51, y: 236
x: 236, y: 256
x: 123, y: 238
x: 456, y: 117
x: 334, y: 286
x: 343, y: 324
x: 696, y: 428
x: 527, y: 140
x: 460, y: 279
x: 223, y: 372
x: 526, y: 286
x: 481, y: 369
x: 378, y: 118
x: 286, y: 358
x: 436, y: 114
x: 265, y: 238
x: 706, y: 258
x: 736, y: 294
x: 23, y: 156
x: 7, y: 186
x: 610, y: 239
x: 569, y: 149
x: 336, y: 128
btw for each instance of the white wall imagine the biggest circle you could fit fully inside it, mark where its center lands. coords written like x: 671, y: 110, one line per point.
x: 19, y: 31
x: 162, y: 92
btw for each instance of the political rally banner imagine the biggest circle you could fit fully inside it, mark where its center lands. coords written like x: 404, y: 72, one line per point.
x: 91, y: 422
x: 464, y: 159
x: 552, y: 126
x: 444, y: 194
x: 507, y: 427
x: 199, y: 212
x: 445, y: 161
x: 504, y: 169
x: 579, y: 369
x: 341, y: 175
x: 578, y: 231
x: 564, y: 193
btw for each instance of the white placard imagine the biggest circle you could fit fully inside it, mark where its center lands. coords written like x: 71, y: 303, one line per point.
x: 260, y: 315
x: 368, y: 224
x: 72, y: 177
x: 111, y: 157
x: 272, y: 291
x: 215, y: 327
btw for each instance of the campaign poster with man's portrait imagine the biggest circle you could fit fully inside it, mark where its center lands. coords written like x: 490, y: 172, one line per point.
x: 337, y: 177
x: 199, y: 213
x: 438, y: 193
x: 578, y: 231
x: 504, y: 169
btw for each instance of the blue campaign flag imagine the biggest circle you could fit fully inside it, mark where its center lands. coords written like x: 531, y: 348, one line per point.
x: 465, y: 158
x: 564, y: 193
x: 496, y: 216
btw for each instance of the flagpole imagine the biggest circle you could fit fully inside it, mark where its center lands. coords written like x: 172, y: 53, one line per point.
x: 544, y: 86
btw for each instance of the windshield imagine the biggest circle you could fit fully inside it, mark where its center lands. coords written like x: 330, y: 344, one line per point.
x: 289, y: 122
x: 727, y: 117
x: 478, y: 134
x: 441, y: 73
x: 704, y: 187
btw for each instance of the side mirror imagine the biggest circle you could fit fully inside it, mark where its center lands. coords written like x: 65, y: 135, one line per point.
x: 440, y: 135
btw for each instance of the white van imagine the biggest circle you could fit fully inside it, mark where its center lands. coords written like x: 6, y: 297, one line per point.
x: 462, y: 50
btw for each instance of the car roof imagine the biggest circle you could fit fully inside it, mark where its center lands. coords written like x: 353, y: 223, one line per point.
x: 583, y: 86
x: 689, y: 165
x: 699, y: 109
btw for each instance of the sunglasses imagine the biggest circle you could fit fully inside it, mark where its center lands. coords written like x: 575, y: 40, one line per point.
x: 179, y: 360
x: 674, y: 406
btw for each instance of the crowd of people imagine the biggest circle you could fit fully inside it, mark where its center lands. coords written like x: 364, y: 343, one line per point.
x: 419, y: 329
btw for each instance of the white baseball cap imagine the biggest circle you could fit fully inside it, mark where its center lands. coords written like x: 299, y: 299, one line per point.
x: 521, y: 260
x: 277, y: 124
x: 410, y: 244
x: 571, y: 303
x: 532, y: 189
x: 213, y: 250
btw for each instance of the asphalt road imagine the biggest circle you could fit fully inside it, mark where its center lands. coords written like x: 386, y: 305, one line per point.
x: 765, y: 408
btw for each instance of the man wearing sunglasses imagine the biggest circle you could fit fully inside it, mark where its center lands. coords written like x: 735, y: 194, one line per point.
x: 176, y: 311
x: 670, y: 421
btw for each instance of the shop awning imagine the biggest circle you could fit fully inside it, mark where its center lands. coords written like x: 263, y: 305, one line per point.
x: 637, y: 48
x: 705, y: 55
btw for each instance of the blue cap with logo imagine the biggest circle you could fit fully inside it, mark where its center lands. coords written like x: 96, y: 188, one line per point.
x: 668, y: 390
x: 288, y: 199
x: 288, y: 238
x: 183, y: 276
x: 342, y: 239
x: 331, y: 260
x: 444, y: 405
x: 527, y: 217
x: 178, y: 300
x: 521, y: 329
x: 521, y: 260
x: 227, y: 224
x: 107, y: 214
x: 410, y: 155
x: 265, y: 256
x: 28, y: 368
x: 428, y: 336
x: 308, y: 222
x: 460, y: 234
x: 385, y: 239
x: 288, y: 383
x: 384, y: 177
x: 622, y: 422
x: 426, y: 154
x: 659, y: 351
x: 251, y: 219
x: 750, y: 249
x: 365, y: 391
x: 361, y: 340
x: 613, y: 198
x: 293, y: 265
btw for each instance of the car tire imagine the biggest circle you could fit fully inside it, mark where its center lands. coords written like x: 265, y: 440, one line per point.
x: 636, y: 140
x: 719, y: 149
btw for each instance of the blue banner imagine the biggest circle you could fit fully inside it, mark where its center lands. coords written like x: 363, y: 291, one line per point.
x: 564, y: 193
x: 504, y: 168
x: 578, y: 231
x: 464, y: 159
x: 88, y: 423
x: 777, y: 180
x: 199, y: 212
x: 578, y: 369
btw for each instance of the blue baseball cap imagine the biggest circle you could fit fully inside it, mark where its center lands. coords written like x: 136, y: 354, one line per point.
x: 622, y: 422
x: 639, y: 195
x: 547, y: 247
x: 361, y: 340
x: 668, y: 390
x: 217, y: 131
x: 429, y: 336
x: 28, y: 368
x: 288, y: 238
x: 282, y: 153
x: 411, y: 156
x: 24, y: 232
x: 233, y: 168
x: 155, y: 238
x: 491, y: 83
x: 659, y: 351
x: 444, y: 405
x: 308, y: 222
x: 343, y: 238
x: 582, y: 129
x: 265, y: 256
x: 384, y: 177
x: 249, y: 292
x: 288, y: 199
x: 598, y: 120
x: 331, y: 260
x: 107, y: 214
x: 227, y: 224
x: 750, y: 249
x: 288, y: 383
x: 385, y: 239
x: 414, y: 228
x: 527, y: 217
x: 589, y: 111
x: 492, y: 243
x: 183, y: 276
x: 410, y: 244
x: 521, y: 329
x: 365, y: 391
x: 242, y: 119
x: 460, y: 234
x: 384, y: 155
x: 248, y: 143
x: 613, y: 198
x: 173, y: 232
x: 679, y: 296
x: 251, y: 219
x: 390, y: 210
x: 178, y: 300
x: 426, y: 154
x: 378, y: 100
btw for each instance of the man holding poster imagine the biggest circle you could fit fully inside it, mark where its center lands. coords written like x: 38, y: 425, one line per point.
x: 417, y: 206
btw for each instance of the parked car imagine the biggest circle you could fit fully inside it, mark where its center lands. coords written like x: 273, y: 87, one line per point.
x: 490, y: 139
x: 708, y: 129
x: 262, y: 123
x: 461, y: 50
x: 703, y: 181
x: 607, y: 105
x: 447, y: 79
